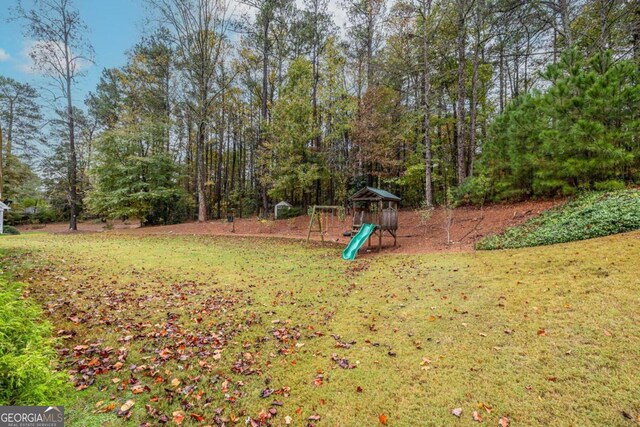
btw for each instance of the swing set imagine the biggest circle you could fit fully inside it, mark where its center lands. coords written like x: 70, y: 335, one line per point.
x: 320, y: 215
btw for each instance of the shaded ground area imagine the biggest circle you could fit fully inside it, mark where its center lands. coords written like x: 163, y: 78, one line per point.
x: 416, y: 234
x: 219, y: 331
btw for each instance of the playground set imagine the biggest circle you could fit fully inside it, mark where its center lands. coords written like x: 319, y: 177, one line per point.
x: 375, y: 212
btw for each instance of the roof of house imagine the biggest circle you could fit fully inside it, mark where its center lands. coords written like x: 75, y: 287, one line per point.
x: 370, y: 193
x: 4, y: 207
x: 283, y: 203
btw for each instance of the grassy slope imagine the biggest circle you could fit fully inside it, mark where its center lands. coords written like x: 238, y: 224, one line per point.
x: 594, y: 214
x: 452, y: 309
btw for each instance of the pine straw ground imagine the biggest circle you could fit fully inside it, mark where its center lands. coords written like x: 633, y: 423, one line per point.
x: 215, y: 331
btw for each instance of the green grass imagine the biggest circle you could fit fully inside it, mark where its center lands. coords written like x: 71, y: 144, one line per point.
x: 595, y: 214
x: 27, y: 356
x: 544, y: 336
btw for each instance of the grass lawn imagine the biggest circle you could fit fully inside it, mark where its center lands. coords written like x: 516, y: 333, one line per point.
x: 199, y: 330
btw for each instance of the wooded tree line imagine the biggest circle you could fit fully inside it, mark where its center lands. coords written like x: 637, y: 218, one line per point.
x: 227, y: 107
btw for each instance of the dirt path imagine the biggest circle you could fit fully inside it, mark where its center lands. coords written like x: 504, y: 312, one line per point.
x: 469, y: 224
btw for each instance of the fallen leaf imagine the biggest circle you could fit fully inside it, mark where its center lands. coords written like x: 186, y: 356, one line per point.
x: 110, y: 407
x: 457, y: 412
x: 504, y: 422
x: 477, y: 417
x: 178, y: 417
x: 542, y: 332
x: 287, y: 420
x: 383, y: 419
x: 266, y: 392
x: 127, y: 405
x: 175, y: 382
x: 137, y: 389
x: 198, y: 418
x: 314, y: 417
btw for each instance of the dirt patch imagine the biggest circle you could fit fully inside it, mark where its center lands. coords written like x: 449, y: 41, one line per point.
x: 468, y: 225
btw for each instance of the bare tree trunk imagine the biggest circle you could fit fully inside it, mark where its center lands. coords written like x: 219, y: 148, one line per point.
x: 10, y: 129
x: 264, y: 111
x: 473, y: 113
x: 502, y: 79
x: 370, y: 30
x: 200, y: 171
x: 73, y: 156
x: 427, y: 114
x: 636, y: 34
x: 460, y: 140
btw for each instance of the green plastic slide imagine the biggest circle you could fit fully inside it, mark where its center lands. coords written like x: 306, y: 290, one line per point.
x: 357, y: 241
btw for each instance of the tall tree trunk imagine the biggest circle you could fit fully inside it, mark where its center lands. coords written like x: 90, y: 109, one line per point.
x: 563, y: 6
x: 200, y: 171
x: 636, y: 33
x: 9, y: 147
x: 73, y: 156
x: 428, y: 197
x: 222, y: 125
x: 473, y: 113
x: 369, y: 41
x: 460, y: 140
x: 263, y: 110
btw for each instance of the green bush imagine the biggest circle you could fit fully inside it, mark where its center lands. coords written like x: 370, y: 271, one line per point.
x: 26, y: 353
x: 591, y: 215
x: 10, y: 230
x: 475, y: 190
x: 611, y: 185
x: 290, y: 213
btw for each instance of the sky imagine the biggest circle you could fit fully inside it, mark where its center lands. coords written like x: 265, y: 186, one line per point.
x: 115, y: 26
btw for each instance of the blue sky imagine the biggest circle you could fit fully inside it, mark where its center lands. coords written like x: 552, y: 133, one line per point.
x: 114, y: 27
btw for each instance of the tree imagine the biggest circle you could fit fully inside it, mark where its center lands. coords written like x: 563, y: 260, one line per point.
x: 424, y: 11
x: 198, y: 29
x: 19, y: 124
x: 60, y: 53
x: 293, y: 167
x: 581, y: 133
x: 365, y: 19
x: 129, y: 182
x: 463, y: 8
x: 20, y: 116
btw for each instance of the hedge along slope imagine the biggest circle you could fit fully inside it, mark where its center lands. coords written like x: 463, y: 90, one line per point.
x: 26, y: 353
x: 590, y: 215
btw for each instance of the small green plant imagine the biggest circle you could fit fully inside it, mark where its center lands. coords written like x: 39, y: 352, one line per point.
x: 591, y: 215
x: 26, y: 353
x: 8, y: 229
x: 425, y: 213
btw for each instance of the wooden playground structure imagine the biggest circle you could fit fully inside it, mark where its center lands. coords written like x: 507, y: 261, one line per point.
x: 377, y: 207
x: 369, y: 206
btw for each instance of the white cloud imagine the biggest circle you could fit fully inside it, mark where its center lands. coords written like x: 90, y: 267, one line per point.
x: 4, y: 56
